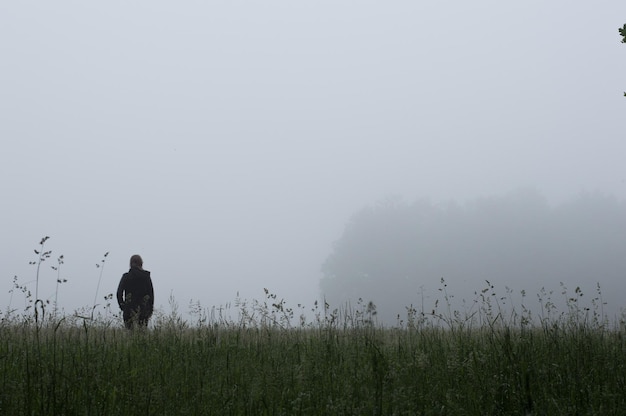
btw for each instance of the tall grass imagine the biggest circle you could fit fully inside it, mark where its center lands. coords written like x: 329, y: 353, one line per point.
x: 267, y: 361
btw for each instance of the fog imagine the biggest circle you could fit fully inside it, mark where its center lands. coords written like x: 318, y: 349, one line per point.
x: 230, y: 143
x: 510, y: 250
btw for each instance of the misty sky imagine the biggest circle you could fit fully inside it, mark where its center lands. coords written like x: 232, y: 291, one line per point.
x: 229, y: 142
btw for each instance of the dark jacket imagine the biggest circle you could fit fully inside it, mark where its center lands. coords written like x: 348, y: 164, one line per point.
x: 135, y: 291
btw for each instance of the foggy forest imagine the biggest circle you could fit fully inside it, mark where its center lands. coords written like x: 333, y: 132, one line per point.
x: 394, y: 254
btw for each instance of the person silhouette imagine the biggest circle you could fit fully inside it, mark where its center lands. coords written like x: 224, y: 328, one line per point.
x: 135, y: 294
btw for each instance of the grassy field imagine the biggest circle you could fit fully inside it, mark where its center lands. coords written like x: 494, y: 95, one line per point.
x: 340, y: 363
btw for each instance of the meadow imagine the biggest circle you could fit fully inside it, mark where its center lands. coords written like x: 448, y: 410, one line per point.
x: 269, y: 359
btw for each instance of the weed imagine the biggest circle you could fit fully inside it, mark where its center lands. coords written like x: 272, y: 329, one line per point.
x: 42, y: 255
x: 57, y: 268
x: 101, y: 267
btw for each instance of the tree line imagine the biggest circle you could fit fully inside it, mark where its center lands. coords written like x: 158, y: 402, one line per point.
x: 390, y: 252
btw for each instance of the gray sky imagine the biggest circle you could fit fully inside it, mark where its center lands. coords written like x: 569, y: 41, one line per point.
x: 229, y: 142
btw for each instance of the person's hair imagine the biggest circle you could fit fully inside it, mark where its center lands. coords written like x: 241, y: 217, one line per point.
x: 136, y: 261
